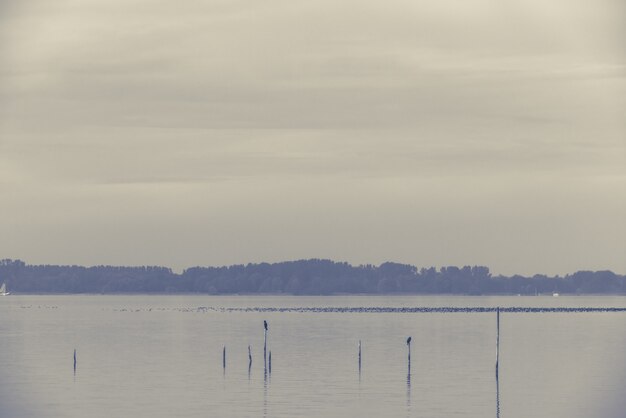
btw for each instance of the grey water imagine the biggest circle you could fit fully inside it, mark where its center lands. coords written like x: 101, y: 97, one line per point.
x: 162, y: 356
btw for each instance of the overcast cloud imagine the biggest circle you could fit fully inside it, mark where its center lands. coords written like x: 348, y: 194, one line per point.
x: 215, y: 132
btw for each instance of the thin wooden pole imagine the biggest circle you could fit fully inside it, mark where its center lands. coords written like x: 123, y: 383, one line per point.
x: 265, y: 327
x: 497, y: 340
x: 270, y: 362
x: 74, y: 359
x: 497, y: 362
x: 249, y: 361
x: 224, y: 358
x: 359, y: 356
x: 408, y: 374
x: 408, y: 343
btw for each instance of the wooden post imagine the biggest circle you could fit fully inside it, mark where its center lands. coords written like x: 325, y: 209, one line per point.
x: 224, y: 358
x: 74, y: 359
x: 359, y: 356
x: 270, y: 362
x: 497, y: 340
x: 249, y: 361
x: 408, y: 343
x: 264, y: 342
x: 497, y: 362
x: 408, y: 372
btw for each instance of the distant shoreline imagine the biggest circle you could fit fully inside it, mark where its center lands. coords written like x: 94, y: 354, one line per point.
x: 301, y: 277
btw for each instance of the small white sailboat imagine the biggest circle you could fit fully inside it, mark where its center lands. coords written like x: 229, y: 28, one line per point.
x: 3, y: 290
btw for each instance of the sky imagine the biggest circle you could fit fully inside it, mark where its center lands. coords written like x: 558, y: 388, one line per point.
x: 215, y: 132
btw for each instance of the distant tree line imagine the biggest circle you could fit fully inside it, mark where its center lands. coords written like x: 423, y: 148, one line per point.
x: 302, y: 277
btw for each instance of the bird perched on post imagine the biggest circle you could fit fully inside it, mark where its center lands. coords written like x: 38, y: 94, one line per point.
x: 265, y: 324
x: 408, y: 341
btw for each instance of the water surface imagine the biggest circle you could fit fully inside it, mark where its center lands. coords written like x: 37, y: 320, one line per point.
x: 161, y: 356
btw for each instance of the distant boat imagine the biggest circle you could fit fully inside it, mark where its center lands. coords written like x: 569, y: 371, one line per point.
x: 555, y: 294
x: 3, y: 290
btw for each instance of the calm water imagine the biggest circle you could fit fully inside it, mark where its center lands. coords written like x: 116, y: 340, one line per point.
x: 161, y: 356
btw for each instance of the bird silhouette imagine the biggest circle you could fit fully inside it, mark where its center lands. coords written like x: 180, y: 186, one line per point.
x: 265, y: 325
x: 408, y: 341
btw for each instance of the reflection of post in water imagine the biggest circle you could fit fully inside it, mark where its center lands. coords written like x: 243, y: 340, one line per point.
x: 265, y: 395
x: 497, y: 397
x: 408, y: 377
x: 359, y: 360
x: 408, y: 387
x: 265, y: 374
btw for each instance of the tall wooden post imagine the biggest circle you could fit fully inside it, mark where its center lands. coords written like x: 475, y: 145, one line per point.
x: 249, y: 361
x: 264, y: 341
x: 408, y: 343
x: 497, y: 340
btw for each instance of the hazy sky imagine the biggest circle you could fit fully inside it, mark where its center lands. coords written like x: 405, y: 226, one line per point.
x: 210, y: 132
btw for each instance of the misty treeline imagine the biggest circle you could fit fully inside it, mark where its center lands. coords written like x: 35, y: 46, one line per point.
x: 302, y: 277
